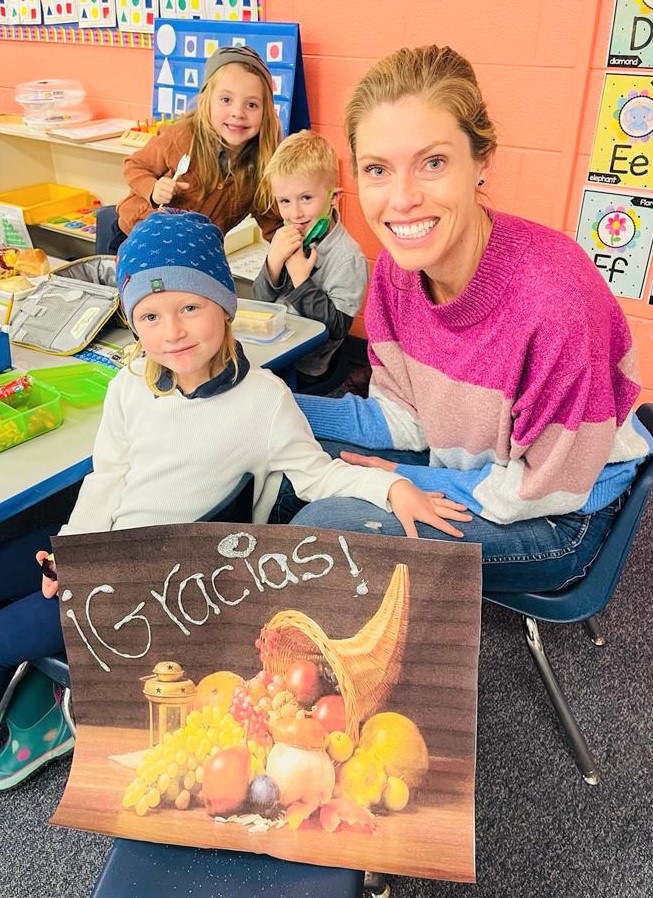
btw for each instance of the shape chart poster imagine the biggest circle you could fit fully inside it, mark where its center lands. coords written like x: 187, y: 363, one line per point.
x: 307, y: 694
x: 631, y: 38
x: 622, y: 153
x: 616, y: 231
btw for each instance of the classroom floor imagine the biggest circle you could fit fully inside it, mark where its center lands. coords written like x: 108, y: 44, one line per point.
x: 541, y: 831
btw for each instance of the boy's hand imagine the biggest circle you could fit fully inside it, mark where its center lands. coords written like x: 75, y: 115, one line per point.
x: 285, y: 241
x: 299, y: 268
x: 49, y: 587
x: 411, y: 504
x: 165, y: 189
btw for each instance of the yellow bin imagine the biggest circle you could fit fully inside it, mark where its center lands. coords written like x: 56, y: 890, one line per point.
x: 40, y: 202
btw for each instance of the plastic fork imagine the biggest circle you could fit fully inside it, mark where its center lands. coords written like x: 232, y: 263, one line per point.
x: 182, y: 167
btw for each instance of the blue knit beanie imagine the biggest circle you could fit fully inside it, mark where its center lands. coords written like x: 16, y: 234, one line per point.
x: 174, y: 250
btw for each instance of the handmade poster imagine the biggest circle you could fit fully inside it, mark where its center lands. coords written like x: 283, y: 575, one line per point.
x: 60, y: 12
x: 181, y: 48
x: 137, y: 15
x: 97, y: 13
x: 306, y: 694
x: 631, y: 38
x: 616, y: 231
x: 622, y: 153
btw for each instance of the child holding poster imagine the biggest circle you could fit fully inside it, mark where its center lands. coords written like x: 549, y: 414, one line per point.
x: 180, y: 426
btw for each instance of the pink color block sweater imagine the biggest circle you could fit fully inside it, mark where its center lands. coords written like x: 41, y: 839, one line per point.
x: 521, y: 388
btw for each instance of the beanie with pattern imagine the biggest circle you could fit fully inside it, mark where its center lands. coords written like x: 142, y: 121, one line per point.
x: 180, y: 251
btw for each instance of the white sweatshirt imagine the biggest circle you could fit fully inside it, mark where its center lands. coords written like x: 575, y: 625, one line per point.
x: 170, y: 459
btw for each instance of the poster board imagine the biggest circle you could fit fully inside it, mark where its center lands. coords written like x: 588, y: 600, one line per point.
x: 393, y: 623
x: 181, y: 48
x: 616, y: 231
x: 631, y: 35
x: 622, y: 153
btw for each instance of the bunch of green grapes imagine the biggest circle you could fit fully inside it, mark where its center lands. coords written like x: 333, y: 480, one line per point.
x: 171, y: 773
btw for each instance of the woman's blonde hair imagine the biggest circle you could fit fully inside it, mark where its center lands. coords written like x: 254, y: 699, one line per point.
x: 154, y: 371
x: 441, y: 77
x: 207, y: 144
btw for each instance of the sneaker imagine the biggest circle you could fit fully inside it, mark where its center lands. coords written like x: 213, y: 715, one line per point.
x: 35, y: 727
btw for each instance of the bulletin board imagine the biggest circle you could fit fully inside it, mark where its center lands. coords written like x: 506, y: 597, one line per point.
x: 615, y: 222
x: 181, y: 48
x: 111, y: 22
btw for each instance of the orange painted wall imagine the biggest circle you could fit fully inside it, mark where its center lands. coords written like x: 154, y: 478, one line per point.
x: 540, y: 66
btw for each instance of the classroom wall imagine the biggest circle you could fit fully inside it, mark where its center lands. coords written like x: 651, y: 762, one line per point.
x: 540, y: 66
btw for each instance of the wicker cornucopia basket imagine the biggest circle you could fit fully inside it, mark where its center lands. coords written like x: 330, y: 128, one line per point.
x: 366, y: 665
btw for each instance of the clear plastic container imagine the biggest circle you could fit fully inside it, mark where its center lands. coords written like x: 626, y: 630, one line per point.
x: 82, y: 384
x: 52, y: 103
x: 258, y: 322
x: 29, y: 414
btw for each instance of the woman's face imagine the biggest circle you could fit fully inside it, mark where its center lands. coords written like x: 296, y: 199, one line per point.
x: 417, y: 183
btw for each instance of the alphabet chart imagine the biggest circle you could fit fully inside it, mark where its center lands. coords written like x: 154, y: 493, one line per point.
x: 616, y: 232
x: 623, y: 144
x: 631, y: 39
x: 181, y: 48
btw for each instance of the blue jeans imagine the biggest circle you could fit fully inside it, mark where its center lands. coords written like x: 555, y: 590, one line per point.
x: 29, y: 623
x: 537, y: 555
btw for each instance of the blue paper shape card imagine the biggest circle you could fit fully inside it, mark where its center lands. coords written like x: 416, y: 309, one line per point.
x: 182, y: 46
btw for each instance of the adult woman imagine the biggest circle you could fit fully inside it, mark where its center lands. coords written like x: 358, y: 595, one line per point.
x: 498, y: 352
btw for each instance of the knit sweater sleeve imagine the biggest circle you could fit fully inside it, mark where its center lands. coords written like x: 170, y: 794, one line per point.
x: 101, y: 491
x: 313, y: 474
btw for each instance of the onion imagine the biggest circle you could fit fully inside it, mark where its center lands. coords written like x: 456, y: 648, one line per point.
x: 302, y: 774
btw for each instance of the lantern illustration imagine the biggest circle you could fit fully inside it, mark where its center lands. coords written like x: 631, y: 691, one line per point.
x: 169, y: 696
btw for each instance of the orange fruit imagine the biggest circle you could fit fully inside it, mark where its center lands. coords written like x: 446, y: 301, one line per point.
x: 217, y: 690
x: 398, y: 744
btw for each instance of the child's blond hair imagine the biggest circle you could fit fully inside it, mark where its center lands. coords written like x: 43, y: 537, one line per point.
x: 305, y: 153
x: 207, y: 144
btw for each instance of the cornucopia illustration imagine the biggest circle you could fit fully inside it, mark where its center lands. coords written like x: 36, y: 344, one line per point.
x: 304, y: 742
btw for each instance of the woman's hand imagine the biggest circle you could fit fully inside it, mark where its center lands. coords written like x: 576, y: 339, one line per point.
x: 165, y: 189
x: 411, y: 504
x: 49, y: 587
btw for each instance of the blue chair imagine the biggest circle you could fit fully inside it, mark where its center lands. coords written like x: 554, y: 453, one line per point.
x: 583, y: 600
x: 144, y: 870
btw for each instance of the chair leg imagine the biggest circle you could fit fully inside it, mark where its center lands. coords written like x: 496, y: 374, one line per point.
x: 66, y: 710
x: 376, y: 884
x: 19, y: 673
x: 584, y: 760
x: 594, y: 630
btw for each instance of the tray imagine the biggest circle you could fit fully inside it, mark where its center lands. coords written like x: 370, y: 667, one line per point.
x: 80, y: 385
x: 42, y: 201
x: 29, y: 414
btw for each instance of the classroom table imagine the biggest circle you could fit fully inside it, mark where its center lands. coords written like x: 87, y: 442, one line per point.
x: 41, y: 467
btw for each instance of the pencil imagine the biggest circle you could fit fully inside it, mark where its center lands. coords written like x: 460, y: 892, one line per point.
x: 10, y: 306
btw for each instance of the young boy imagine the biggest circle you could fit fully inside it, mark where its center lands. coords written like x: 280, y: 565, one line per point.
x: 328, y: 280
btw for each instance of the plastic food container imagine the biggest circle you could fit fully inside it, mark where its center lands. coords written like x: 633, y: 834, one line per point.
x: 80, y: 385
x: 258, y: 322
x: 28, y: 414
x: 42, y: 201
x: 52, y: 103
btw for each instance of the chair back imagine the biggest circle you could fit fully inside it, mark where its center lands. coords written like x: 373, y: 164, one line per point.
x: 238, y: 506
x: 590, y: 594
